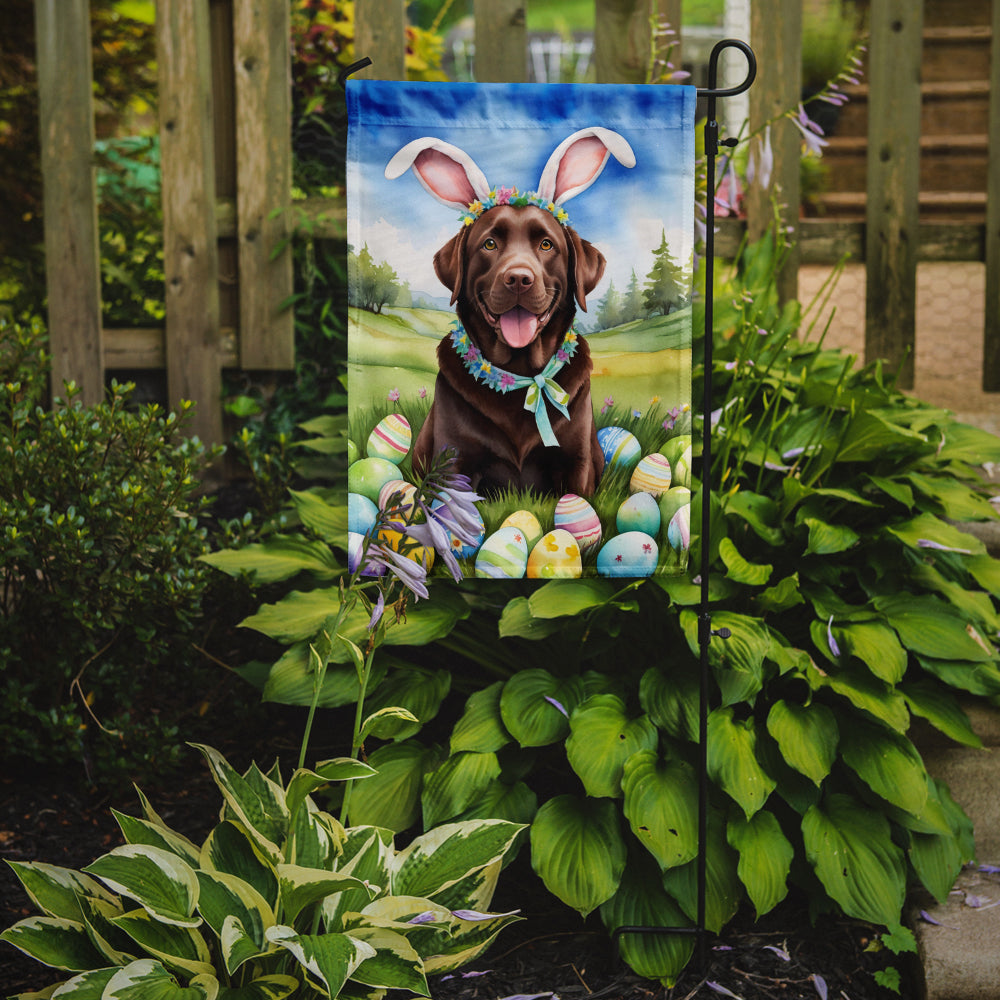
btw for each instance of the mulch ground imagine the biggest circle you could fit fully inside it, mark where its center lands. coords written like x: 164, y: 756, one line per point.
x: 551, y: 952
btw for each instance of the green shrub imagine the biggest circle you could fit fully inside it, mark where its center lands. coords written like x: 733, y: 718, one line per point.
x: 279, y: 900
x: 101, y: 584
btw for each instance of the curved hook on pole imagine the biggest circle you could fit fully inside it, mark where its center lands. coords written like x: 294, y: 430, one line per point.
x: 713, y: 69
x: 353, y: 68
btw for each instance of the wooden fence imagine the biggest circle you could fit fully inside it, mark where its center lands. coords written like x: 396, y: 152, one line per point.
x: 226, y: 161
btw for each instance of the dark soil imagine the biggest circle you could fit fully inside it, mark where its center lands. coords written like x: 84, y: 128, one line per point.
x: 551, y: 952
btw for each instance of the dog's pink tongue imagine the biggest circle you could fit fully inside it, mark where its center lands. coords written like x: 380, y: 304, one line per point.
x: 518, y: 326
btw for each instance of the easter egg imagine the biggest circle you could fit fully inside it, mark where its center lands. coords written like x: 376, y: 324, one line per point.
x: 355, y: 548
x: 672, y: 501
x: 676, y: 447
x: 526, y: 522
x: 361, y: 513
x: 639, y: 513
x: 651, y: 475
x: 402, y: 503
x: 390, y: 439
x: 682, y: 469
x: 353, y: 452
x: 368, y: 475
x: 679, y: 529
x: 632, y: 553
x: 504, y: 555
x: 576, y: 516
x: 556, y: 554
x: 394, y: 537
x: 620, y: 447
x: 460, y: 549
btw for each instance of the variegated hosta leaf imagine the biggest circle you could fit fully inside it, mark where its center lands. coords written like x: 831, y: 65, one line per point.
x: 116, y: 946
x: 602, y: 737
x: 256, y: 801
x: 391, y: 799
x: 158, y: 880
x: 56, y: 891
x: 468, y: 939
x: 395, y: 964
x: 301, y: 887
x: 732, y: 760
x: 225, y: 897
x: 367, y: 853
x: 723, y: 889
x: 888, y: 763
x: 177, y: 947
x: 329, y: 959
x: 476, y: 890
x: 54, y: 941
x: 642, y: 902
x: 578, y: 851
x: 661, y: 805
x: 141, y: 831
x: 765, y: 858
x: 850, y: 847
x: 807, y: 736
x: 481, y: 727
x: 86, y: 986
x: 535, y: 706
x: 147, y: 979
x: 230, y: 849
x: 441, y: 857
x: 456, y: 784
x: 275, y: 987
x: 315, y: 838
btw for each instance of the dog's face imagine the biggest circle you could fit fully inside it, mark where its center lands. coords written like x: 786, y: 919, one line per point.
x: 515, y: 273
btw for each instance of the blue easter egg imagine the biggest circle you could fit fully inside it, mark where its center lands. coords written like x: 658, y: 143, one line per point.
x: 632, y: 553
x: 620, y: 447
x: 361, y: 513
x: 640, y: 512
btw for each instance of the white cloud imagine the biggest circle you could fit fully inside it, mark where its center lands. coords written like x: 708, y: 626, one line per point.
x: 412, y: 263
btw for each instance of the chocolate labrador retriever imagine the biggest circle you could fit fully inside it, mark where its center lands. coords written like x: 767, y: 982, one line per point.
x: 512, y: 395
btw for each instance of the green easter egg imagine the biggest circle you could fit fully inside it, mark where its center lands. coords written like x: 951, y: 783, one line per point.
x: 368, y: 475
x: 676, y: 447
x: 671, y: 501
x: 682, y: 468
x: 353, y: 452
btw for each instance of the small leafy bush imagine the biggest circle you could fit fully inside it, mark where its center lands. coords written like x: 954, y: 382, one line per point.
x: 100, y: 584
x: 280, y: 899
x: 854, y: 602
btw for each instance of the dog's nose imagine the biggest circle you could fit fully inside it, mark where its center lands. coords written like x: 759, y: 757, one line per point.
x: 518, y: 279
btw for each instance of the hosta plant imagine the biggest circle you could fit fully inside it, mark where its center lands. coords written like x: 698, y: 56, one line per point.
x: 279, y: 900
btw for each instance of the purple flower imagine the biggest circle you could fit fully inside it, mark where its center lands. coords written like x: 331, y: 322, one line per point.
x: 558, y: 705
x: 432, y: 535
x: 427, y: 917
x: 506, y: 381
x: 377, y: 612
x: 422, y: 392
x: 760, y: 165
x: 475, y: 915
x: 820, y: 983
x: 834, y: 648
x: 719, y: 988
x: 393, y: 395
x: 811, y: 132
x: 562, y: 355
x: 409, y: 572
x: 927, y: 543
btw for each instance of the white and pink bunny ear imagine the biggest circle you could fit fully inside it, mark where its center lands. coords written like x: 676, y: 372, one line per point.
x: 578, y: 161
x: 448, y: 173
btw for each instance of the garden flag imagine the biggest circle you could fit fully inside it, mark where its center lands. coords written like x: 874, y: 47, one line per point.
x: 520, y: 261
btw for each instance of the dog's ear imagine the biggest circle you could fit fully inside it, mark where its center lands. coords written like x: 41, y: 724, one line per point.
x: 588, y: 266
x: 449, y: 263
x: 578, y: 161
x: 446, y: 172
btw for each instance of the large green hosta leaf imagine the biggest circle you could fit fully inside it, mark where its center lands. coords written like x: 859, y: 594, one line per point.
x: 661, y: 806
x: 671, y: 699
x: 732, y: 760
x: 229, y: 848
x: 456, y: 784
x: 888, y: 763
x: 876, y: 646
x: 932, y: 628
x: 850, y: 848
x: 415, y: 689
x: 225, y: 897
x: 738, y: 661
x: 739, y: 569
x: 560, y: 598
x: 535, y: 706
x: 279, y: 558
x: 602, y: 738
x: 391, y: 798
x: 641, y: 901
x: 578, y: 851
x: 481, y: 727
x: 936, y: 704
x: 927, y: 531
x: 180, y: 948
x: 276, y: 987
x: 765, y: 858
x: 86, y: 986
x: 807, y: 736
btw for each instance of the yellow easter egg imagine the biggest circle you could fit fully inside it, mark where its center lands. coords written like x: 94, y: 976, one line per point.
x: 556, y: 554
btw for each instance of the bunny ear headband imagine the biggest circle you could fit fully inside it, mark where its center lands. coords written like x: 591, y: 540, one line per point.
x: 451, y: 176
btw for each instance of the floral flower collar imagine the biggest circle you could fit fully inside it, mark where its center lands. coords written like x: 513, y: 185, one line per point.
x: 516, y: 199
x: 540, y: 387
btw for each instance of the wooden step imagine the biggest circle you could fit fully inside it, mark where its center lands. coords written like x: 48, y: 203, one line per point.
x: 945, y: 12
x: 958, y: 206
x: 947, y: 162
x: 945, y: 104
x: 956, y: 53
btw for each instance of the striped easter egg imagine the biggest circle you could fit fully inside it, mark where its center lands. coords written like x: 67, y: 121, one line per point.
x: 620, y: 447
x: 390, y: 439
x: 527, y: 522
x: 651, y: 475
x: 576, y: 516
x: 402, y: 503
x: 679, y: 529
x: 504, y: 555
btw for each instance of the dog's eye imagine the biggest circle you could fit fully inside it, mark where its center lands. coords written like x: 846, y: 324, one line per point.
x: 546, y: 244
x: 489, y: 243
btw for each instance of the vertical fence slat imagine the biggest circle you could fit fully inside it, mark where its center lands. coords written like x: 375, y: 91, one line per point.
x: 621, y: 40
x: 261, y: 57
x: 893, y: 183
x: 991, y: 332
x: 776, y: 35
x: 72, y: 257
x: 190, y: 253
x: 501, y: 41
x: 380, y: 34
